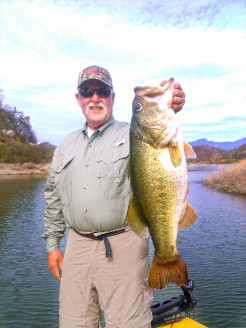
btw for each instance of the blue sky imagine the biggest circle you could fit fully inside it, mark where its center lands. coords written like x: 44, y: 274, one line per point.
x: 202, y: 44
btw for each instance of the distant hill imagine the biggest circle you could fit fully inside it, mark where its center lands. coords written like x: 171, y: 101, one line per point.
x: 227, y: 145
x: 208, y: 154
x: 15, y: 151
x: 47, y: 144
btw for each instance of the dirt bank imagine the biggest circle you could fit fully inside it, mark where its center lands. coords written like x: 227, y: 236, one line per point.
x: 24, y: 169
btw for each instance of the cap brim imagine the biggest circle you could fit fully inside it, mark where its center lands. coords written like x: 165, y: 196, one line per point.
x: 95, y: 79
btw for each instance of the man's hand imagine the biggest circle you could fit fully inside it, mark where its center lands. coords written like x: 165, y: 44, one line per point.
x: 55, y: 260
x: 179, y: 96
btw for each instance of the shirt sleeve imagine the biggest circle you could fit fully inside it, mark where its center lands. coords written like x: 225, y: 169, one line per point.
x: 54, y: 222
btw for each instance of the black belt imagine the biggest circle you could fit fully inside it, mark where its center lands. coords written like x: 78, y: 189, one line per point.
x: 103, y: 237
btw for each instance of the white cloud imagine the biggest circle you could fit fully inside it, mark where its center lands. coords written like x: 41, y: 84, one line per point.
x: 46, y: 43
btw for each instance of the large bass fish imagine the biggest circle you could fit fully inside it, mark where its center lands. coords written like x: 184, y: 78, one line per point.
x: 159, y: 179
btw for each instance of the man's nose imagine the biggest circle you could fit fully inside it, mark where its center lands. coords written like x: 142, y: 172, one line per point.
x: 95, y: 97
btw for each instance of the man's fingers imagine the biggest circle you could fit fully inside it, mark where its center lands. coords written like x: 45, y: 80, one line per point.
x: 164, y: 82
x: 54, y: 268
x: 55, y: 261
x: 178, y: 100
x: 176, y: 84
x: 179, y: 93
x: 178, y: 104
x: 56, y: 273
x: 61, y: 263
x: 178, y: 96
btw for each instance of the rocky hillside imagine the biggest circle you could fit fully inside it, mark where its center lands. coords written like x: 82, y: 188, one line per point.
x: 213, y: 155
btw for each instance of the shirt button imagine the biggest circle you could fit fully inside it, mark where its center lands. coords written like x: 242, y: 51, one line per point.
x: 85, y: 187
x: 86, y: 165
x: 89, y: 145
x: 85, y: 210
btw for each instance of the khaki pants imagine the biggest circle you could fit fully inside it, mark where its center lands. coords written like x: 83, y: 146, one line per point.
x: 118, y: 286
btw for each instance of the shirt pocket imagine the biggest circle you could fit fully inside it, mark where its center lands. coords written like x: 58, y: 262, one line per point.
x: 113, y: 169
x: 63, y: 179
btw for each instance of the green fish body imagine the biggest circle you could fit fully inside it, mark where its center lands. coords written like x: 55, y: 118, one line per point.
x: 159, y: 181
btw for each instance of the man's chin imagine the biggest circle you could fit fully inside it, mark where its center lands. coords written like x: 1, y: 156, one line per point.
x: 97, y: 115
x: 97, y: 120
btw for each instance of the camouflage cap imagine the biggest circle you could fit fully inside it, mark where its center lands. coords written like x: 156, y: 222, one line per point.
x: 95, y: 73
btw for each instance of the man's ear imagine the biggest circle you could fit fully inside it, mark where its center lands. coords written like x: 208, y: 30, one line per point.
x: 77, y: 97
x: 113, y: 97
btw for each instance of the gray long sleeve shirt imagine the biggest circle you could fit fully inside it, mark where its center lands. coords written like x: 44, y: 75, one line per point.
x: 88, y: 188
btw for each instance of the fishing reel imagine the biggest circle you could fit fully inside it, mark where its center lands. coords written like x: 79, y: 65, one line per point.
x: 175, y: 308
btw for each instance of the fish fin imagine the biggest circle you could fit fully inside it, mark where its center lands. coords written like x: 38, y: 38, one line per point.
x: 189, y: 217
x: 135, y: 222
x: 175, y: 155
x: 189, y: 152
x: 163, y: 274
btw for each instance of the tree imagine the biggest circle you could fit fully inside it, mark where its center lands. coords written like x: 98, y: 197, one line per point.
x: 24, y: 128
x: 13, y: 119
x: 1, y: 97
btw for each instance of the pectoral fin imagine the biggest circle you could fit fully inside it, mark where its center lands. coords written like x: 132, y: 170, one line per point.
x: 189, y: 217
x: 134, y: 220
x: 175, y: 155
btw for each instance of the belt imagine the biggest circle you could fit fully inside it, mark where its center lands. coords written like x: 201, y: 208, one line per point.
x: 104, y: 237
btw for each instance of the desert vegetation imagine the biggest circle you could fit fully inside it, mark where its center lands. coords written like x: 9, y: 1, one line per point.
x: 18, y: 141
x: 230, y: 179
x: 211, y: 155
x: 13, y: 151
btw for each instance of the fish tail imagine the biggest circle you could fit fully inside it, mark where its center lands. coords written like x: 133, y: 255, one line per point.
x: 163, y: 274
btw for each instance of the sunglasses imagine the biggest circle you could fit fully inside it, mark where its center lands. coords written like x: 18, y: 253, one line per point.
x: 88, y: 93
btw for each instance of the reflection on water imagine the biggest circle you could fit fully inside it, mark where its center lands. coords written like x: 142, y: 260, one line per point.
x: 29, y: 295
x: 213, y: 249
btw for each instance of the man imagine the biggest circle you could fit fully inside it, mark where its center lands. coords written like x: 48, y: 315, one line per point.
x: 105, y: 265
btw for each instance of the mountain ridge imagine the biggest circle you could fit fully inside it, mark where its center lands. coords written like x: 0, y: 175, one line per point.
x: 226, y: 145
x: 214, y: 155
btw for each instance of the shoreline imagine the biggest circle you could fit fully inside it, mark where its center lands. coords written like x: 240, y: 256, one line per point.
x: 44, y: 168
x: 212, y: 181
x: 37, y: 169
x: 24, y: 169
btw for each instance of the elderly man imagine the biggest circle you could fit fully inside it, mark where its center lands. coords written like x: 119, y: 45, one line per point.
x: 105, y: 266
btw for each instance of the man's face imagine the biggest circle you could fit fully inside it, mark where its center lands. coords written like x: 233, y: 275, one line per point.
x: 97, y: 110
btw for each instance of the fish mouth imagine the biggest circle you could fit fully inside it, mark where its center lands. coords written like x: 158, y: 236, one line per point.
x: 149, y: 92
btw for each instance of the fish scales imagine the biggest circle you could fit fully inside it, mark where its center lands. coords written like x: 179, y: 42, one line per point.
x: 159, y: 183
x: 161, y: 186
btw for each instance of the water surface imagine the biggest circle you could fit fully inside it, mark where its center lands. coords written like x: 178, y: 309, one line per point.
x: 213, y: 249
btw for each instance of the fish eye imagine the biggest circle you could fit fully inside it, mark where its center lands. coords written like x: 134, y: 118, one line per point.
x: 137, y: 107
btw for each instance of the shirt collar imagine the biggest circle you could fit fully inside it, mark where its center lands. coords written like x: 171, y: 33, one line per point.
x: 102, y: 128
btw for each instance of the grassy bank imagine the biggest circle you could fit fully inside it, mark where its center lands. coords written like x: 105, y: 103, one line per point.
x: 231, y: 179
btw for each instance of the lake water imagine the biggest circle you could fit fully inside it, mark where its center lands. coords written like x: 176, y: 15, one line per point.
x: 213, y: 249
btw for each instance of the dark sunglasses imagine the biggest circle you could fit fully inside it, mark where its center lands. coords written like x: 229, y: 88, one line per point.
x: 88, y: 93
